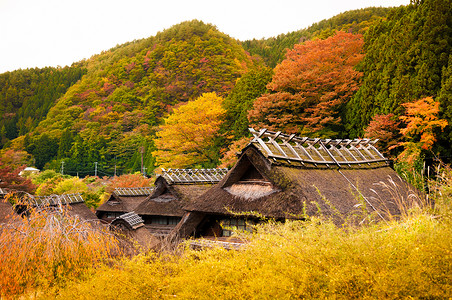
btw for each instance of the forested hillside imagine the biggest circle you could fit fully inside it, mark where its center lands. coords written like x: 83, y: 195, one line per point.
x: 273, y: 50
x: 353, y: 75
x: 408, y: 57
x: 110, y: 115
x: 27, y: 95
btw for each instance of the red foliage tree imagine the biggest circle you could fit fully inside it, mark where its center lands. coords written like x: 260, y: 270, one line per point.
x: 10, y: 179
x: 311, y: 86
x: 385, y: 128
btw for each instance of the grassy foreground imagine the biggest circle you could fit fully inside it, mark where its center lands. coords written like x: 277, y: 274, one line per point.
x: 406, y: 259
x: 410, y: 258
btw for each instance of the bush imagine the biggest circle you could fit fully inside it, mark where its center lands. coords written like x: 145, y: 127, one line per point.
x: 47, y: 249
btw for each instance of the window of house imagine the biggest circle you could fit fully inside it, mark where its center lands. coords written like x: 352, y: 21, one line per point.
x: 112, y: 215
x: 232, y: 225
x: 162, y: 220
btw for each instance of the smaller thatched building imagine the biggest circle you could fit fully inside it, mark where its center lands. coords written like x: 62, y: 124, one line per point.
x: 130, y: 228
x: 74, y: 204
x: 121, y: 201
x: 174, y: 189
x: 283, y: 176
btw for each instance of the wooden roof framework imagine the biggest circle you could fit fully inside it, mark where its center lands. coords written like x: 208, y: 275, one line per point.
x: 194, y: 175
x: 56, y: 199
x: 135, y: 191
x: 338, y: 152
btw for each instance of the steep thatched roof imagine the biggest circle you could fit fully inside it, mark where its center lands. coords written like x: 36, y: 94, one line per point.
x: 125, y: 199
x: 283, y: 176
x: 82, y: 211
x: 172, y: 193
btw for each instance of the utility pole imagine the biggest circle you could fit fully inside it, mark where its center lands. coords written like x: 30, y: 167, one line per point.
x: 115, y: 165
x: 142, y: 152
x: 95, y: 169
x: 62, y: 168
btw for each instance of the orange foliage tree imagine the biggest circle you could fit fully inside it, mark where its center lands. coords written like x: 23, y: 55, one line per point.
x: 230, y: 156
x: 421, y: 119
x: 188, y: 136
x: 311, y: 86
x: 128, y: 180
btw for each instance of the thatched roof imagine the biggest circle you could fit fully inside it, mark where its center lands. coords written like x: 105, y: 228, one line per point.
x: 82, y: 211
x: 169, y: 197
x: 291, y: 177
x: 74, y: 203
x: 133, y: 191
x: 125, y: 199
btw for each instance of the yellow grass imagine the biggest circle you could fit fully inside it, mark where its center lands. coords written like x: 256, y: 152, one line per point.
x: 406, y: 258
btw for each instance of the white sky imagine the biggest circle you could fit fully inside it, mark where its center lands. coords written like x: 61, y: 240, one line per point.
x: 39, y: 33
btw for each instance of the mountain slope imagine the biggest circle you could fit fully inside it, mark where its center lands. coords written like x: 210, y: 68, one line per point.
x: 111, y: 111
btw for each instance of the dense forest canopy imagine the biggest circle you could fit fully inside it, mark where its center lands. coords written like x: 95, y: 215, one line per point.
x: 107, y: 112
x: 408, y: 57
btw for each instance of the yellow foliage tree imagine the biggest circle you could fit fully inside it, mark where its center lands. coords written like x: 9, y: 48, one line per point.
x: 187, y: 137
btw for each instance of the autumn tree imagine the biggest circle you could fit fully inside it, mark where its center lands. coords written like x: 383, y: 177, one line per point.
x: 311, y: 86
x: 188, y: 136
x: 230, y: 156
x: 422, y: 122
x: 385, y: 128
x: 15, y: 158
x: 9, y: 178
x: 407, y: 58
x: 127, y: 181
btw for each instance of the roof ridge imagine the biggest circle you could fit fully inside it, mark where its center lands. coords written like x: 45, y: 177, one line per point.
x: 194, y: 175
x: 56, y: 199
x: 133, y: 191
x: 316, y: 151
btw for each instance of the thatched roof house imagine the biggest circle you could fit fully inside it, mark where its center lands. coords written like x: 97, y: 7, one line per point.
x: 130, y: 228
x: 288, y: 177
x: 74, y: 203
x: 174, y: 189
x: 121, y: 201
